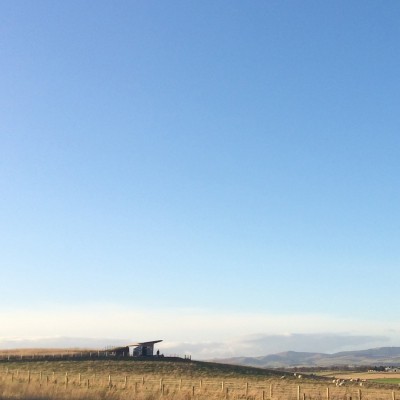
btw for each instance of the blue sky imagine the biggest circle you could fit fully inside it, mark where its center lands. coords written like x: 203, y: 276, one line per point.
x: 198, y: 160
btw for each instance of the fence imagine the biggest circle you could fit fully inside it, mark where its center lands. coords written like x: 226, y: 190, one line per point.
x: 134, y: 386
x: 93, y: 355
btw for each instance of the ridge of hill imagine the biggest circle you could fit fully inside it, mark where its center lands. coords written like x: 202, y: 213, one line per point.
x: 383, y: 356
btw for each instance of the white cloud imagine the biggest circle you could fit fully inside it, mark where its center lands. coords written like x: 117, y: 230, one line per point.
x: 202, y: 333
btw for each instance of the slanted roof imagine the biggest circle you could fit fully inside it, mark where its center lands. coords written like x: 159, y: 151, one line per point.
x: 145, y: 343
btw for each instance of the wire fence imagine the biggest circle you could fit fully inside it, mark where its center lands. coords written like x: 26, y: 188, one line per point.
x: 133, y: 386
x: 92, y: 355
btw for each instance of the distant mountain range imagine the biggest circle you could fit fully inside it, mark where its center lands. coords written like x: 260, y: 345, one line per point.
x: 382, y: 356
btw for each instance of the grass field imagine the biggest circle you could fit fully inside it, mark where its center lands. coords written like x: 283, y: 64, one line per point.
x: 391, y: 381
x: 379, y: 377
x: 128, y: 379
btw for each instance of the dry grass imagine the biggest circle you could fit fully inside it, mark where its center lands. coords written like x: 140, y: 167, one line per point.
x: 149, y: 380
x: 42, y: 352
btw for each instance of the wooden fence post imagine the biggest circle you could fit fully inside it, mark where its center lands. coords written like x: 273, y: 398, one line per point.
x: 29, y: 376
x: 226, y: 393
x: 263, y: 395
x: 359, y: 394
x: 327, y: 393
x: 393, y: 395
x: 222, y: 386
x: 270, y: 391
x: 161, y: 384
x: 125, y: 382
x: 66, y: 380
x: 298, y: 392
x: 180, y: 384
x: 109, y: 381
x: 192, y: 391
x: 246, y: 391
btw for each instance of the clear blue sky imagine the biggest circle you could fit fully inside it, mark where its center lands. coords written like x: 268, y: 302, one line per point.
x: 222, y: 156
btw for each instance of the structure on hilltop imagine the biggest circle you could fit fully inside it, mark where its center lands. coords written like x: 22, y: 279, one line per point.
x: 143, y: 349
x: 140, y: 349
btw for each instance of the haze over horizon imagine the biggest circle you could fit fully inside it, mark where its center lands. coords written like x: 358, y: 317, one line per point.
x: 220, y: 175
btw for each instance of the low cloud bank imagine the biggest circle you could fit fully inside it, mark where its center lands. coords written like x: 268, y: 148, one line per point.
x: 204, y: 334
x: 261, y: 345
x: 249, y: 345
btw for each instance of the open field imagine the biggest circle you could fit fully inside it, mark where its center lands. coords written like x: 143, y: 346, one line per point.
x: 391, y: 381
x: 377, y: 377
x: 367, y: 375
x: 169, y: 379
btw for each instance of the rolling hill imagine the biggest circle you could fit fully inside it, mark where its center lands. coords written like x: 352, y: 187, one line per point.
x: 385, y: 356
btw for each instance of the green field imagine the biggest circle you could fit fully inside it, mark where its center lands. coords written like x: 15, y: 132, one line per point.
x: 392, y: 381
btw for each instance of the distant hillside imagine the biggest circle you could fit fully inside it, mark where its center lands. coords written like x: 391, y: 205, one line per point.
x: 387, y: 356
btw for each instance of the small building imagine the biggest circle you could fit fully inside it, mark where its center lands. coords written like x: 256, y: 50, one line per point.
x: 143, y: 349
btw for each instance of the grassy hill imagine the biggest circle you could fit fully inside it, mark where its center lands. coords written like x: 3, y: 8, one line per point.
x: 168, y: 378
x: 159, y: 367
